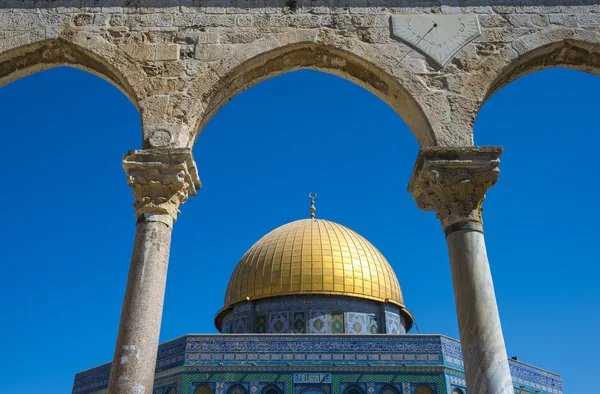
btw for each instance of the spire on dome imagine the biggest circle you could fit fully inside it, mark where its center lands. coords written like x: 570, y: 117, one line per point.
x: 312, y: 196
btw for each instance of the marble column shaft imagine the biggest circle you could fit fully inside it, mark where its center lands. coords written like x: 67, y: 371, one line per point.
x: 161, y: 181
x: 482, y: 342
x: 135, y: 355
x: 452, y: 182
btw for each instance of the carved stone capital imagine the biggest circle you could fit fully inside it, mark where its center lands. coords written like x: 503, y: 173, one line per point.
x: 453, y: 181
x: 161, y: 179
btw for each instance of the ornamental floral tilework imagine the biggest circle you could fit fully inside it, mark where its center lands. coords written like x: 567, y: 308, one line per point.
x: 393, y: 324
x: 300, y: 319
x: 261, y: 324
x: 337, y: 323
x: 230, y: 359
x: 299, y: 322
x: 318, y: 323
x: 372, y: 324
x: 356, y: 323
x: 279, y: 322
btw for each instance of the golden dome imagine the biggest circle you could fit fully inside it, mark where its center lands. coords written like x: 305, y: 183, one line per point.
x: 313, y: 256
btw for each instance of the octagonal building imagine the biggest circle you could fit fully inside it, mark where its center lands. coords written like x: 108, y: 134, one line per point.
x: 314, y: 308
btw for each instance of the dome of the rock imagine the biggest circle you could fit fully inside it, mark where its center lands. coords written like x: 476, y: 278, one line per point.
x: 306, y: 264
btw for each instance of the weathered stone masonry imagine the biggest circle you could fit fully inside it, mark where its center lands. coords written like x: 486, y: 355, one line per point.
x: 179, y: 61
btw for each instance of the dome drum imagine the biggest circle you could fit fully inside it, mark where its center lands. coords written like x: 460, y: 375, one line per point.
x: 312, y: 314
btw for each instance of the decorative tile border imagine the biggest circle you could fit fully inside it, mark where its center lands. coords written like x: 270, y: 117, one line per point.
x: 312, y: 378
x: 313, y: 314
x: 292, y: 353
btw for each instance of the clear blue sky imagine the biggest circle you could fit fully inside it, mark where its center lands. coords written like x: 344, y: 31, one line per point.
x: 69, y: 225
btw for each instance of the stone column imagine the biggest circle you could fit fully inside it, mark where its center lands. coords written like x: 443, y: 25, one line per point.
x: 453, y: 183
x: 161, y: 181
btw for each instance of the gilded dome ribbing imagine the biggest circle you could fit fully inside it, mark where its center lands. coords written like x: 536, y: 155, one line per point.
x: 313, y: 256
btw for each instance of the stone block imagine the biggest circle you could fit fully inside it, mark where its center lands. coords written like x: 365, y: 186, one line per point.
x: 303, y: 21
x: 377, y: 35
x: 209, y: 20
x: 211, y: 52
x: 503, y: 34
x: 239, y: 36
x: 589, y: 19
x: 363, y: 20
x: 154, y: 109
x: 166, y: 52
x: 207, y: 38
x: 244, y: 20
x: 101, y: 19
x: 563, y: 20
x: 140, y: 51
x: 183, y: 20
x: 82, y: 19
x: 520, y: 20
x: 492, y: 20
x: 539, y: 20
x: 164, y: 20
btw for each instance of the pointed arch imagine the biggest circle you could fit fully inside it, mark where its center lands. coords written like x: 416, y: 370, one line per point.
x: 575, y: 49
x: 577, y: 55
x: 399, y: 88
x: 38, y: 56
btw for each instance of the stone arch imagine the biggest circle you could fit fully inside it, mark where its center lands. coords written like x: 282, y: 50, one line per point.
x: 575, y: 49
x: 385, y: 78
x: 42, y: 55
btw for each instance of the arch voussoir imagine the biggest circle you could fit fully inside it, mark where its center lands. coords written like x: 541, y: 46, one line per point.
x: 349, y: 59
x: 74, y: 50
x: 573, y: 48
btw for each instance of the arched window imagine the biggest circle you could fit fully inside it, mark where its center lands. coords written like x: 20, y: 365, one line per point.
x: 457, y: 391
x: 237, y: 389
x: 204, y: 389
x: 313, y: 390
x: 353, y: 389
x: 388, y: 389
x: 424, y: 389
x: 271, y: 389
x: 172, y: 390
